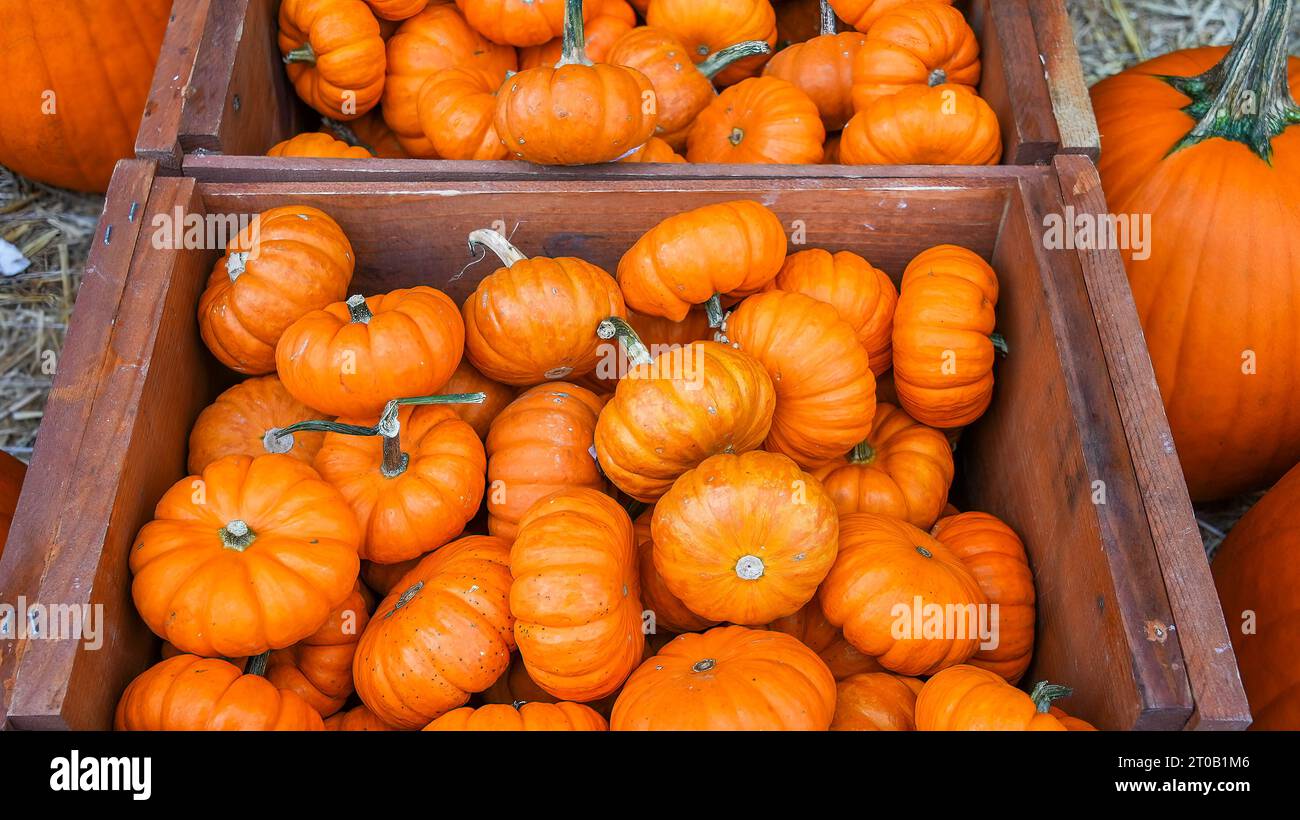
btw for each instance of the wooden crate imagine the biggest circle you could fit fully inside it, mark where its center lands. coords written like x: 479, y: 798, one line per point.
x: 221, y: 99
x: 1127, y: 611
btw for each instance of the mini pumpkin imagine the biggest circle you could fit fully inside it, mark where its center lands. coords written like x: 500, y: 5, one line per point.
x: 523, y: 717
x: 922, y: 125
x: 317, y: 144
x: 825, y: 390
x: 903, y: 469
x: 251, y: 555
x: 886, y: 567
x: 444, y: 632
x: 535, y: 320
x: 292, y: 260
x: 863, y: 14
x: 456, y: 107
x: 727, y: 249
x: 669, y: 612
x: 810, y: 627
x: 497, y: 396
x: 369, y: 132
x: 728, y: 679
x: 189, y: 693
x: 351, y: 358
x: 397, y: 9
x: 943, y: 344
x: 246, y: 420
x: 655, y: 150
x: 744, y: 538
x: 334, y: 54
x: 319, y: 667
x: 575, y: 594
x: 611, y: 20
x: 876, y: 702
x: 356, y: 719
x: 520, y: 23
x: 822, y: 68
x: 709, y: 26
x: 381, y: 578
x: 967, y: 698
x: 759, y: 120
x: 924, y: 43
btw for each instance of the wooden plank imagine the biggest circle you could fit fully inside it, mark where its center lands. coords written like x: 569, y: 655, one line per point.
x: 1198, y: 619
x: 1012, y: 80
x: 1071, y: 104
x: 158, y: 138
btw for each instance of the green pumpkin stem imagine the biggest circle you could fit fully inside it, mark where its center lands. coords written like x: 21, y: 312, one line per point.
x: 862, y: 453
x: 617, y: 328
x: 1000, y: 344
x: 713, y: 65
x: 498, y: 244
x: 1044, y: 693
x: 937, y: 77
x: 359, y: 310
x: 257, y: 664
x: 575, y: 36
x: 1246, y: 98
x: 236, y: 535
x: 342, y: 131
x: 713, y: 307
x: 830, y: 23
x: 303, y: 54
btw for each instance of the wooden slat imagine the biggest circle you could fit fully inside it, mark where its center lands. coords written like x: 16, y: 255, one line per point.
x: 1012, y: 80
x: 1071, y: 103
x: 1198, y: 619
x: 158, y: 138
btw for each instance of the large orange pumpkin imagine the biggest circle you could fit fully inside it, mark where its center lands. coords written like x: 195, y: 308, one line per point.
x: 670, y: 613
x: 445, y: 631
x: 744, y: 538
x: 187, y: 693
x: 319, y: 667
x: 540, y: 444
x: 524, y: 717
x: 76, y: 76
x: 943, y: 347
x: 923, y: 43
x: 575, y: 594
x: 251, y: 555
x: 1212, y: 155
x: 729, y: 678
x: 709, y: 26
x: 825, y: 390
x: 246, y: 420
x: 290, y: 261
x: 901, y: 596
x: 334, y: 55
x: 812, y: 629
x: 822, y: 68
x: 759, y: 120
x: 922, y: 125
x: 876, y: 702
x: 967, y: 698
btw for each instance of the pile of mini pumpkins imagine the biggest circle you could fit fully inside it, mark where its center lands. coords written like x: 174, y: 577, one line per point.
x: 568, y: 82
x: 700, y: 510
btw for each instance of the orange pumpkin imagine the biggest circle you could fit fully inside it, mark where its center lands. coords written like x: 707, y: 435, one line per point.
x: 864, y: 296
x: 397, y: 9
x: 924, y: 43
x: 369, y: 132
x: 535, y: 320
x: 524, y: 717
x: 575, y: 594
x: 187, y: 693
x: 351, y: 358
x: 656, y: 150
x: 876, y: 702
x: 577, y: 112
x: 903, y: 469
x: 356, y: 719
x: 290, y: 261
x: 943, y: 347
x: 435, y: 39
x: 729, y: 249
x: 822, y: 409
x: 319, y: 667
x: 744, y: 538
x: 246, y: 419
x: 709, y: 26
x: 728, y: 679
x: 1071, y: 724
x: 967, y: 698
x: 456, y: 107
x: 995, y: 555
x: 444, y: 632
x: 759, y: 120
x: 381, y: 578
x: 467, y: 379
x: 901, y: 596
x: 316, y: 144
x: 251, y: 555
x: 671, y: 412
x: 612, y: 20
x: 863, y: 14
x: 334, y: 54
x: 922, y: 125
x: 669, y: 612
x: 810, y: 627
x: 822, y: 68
x: 519, y: 22
x: 540, y: 444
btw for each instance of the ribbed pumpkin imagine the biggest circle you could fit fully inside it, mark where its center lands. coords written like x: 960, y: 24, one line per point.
x: 319, y: 667
x: 920, y: 125
x: 669, y: 612
x: 885, y: 564
x: 995, y: 556
x: 292, y: 260
x: 744, y: 538
x: 317, y: 144
x: 863, y: 14
x: 381, y: 578
x: 825, y: 390
x: 708, y: 26
x: 575, y: 594
x: 334, y: 55
x: 251, y: 555
x: 810, y: 627
x: 526, y: 717
x: 864, y: 296
x: 351, y: 358
x: 655, y: 150
x: 519, y: 22
x: 456, y: 107
x: 188, y: 693
x: 822, y: 68
x: 671, y: 412
x: 1213, y: 159
x: 759, y: 120
x: 728, y: 679
x: 876, y: 702
x: 612, y: 19
x: 369, y: 132
x: 76, y: 78
x: 943, y: 350
x: 444, y: 632
x: 467, y: 379
x: 1256, y: 571
x: 244, y: 420
x: 397, y: 9
x: 903, y: 469
x: 540, y: 444
x: 967, y: 698
x: 535, y: 320
x: 728, y: 249
x: 924, y: 43
x: 356, y: 719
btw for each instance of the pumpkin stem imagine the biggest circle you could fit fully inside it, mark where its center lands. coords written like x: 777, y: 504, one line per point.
x: 498, y: 244
x: 634, y: 508
x: 862, y: 453
x: 720, y: 59
x: 257, y: 664
x: 405, y: 598
x: 937, y: 77
x: 273, y: 442
x: 713, y: 308
x: 1246, y: 98
x: 1044, y: 693
x: 749, y: 568
x: 303, y: 54
x: 359, y: 310
x: 342, y: 131
x: 1000, y: 344
x: 616, y: 327
x: 235, y: 263
x: 704, y: 665
x: 830, y: 23
x: 236, y: 536
x: 575, y: 36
